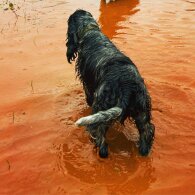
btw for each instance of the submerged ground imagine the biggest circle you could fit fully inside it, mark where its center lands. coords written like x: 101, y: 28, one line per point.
x: 42, y: 152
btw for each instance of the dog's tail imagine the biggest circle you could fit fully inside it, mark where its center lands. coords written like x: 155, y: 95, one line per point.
x: 100, y: 117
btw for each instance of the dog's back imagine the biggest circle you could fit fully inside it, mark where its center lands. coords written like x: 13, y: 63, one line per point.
x: 111, y: 73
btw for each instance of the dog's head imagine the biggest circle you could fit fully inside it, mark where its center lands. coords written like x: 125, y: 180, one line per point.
x: 76, y: 23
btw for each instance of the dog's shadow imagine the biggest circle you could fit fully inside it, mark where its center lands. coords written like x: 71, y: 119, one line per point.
x: 115, y: 12
x: 123, y: 139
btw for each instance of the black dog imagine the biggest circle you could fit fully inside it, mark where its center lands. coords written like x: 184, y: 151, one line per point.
x: 112, y: 83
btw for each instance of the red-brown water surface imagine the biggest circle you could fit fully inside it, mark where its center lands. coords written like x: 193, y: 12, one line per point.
x: 42, y: 152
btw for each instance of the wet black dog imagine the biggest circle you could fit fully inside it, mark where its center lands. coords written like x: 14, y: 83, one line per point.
x: 112, y: 83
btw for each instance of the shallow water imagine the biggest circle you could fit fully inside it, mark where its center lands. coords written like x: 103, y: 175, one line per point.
x: 42, y: 152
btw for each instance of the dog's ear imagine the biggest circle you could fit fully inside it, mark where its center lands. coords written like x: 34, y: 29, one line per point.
x: 72, y: 40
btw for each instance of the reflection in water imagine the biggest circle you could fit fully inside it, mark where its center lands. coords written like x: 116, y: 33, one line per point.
x: 114, y: 12
x: 124, y: 171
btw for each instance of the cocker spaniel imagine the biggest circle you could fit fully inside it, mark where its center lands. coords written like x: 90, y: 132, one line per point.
x: 112, y: 83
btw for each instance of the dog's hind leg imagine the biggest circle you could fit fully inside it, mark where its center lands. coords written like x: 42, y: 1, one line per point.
x: 98, y: 134
x: 103, y: 110
x: 141, y: 113
x: 103, y: 146
x: 146, y: 130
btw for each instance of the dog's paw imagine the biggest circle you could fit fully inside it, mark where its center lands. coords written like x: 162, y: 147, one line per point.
x: 103, y: 152
x: 144, y: 150
x: 146, y: 141
x: 144, y: 146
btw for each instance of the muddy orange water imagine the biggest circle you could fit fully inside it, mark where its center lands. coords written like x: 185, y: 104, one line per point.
x: 41, y: 150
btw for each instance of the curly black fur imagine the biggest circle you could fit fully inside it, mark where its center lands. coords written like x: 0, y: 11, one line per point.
x: 110, y: 79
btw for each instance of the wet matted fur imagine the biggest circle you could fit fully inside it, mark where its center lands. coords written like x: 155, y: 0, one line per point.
x: 112, y: 83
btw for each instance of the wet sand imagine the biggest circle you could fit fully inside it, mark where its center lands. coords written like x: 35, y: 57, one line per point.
x: 42, y: 152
